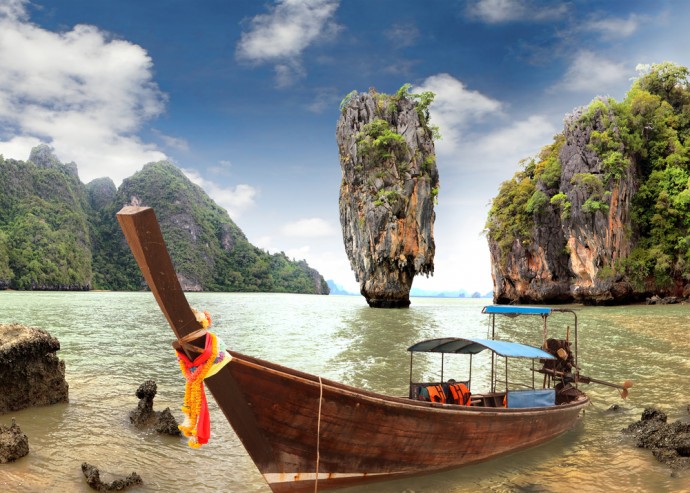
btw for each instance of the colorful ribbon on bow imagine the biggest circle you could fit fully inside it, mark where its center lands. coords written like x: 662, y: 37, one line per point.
x: 197, y: 423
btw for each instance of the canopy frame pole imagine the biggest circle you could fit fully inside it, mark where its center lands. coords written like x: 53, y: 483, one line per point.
x: 442, y: 359
x: 493, y: 355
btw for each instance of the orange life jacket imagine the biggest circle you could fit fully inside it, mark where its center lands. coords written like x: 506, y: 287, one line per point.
x: 460, y: 393
x: 436, y: 393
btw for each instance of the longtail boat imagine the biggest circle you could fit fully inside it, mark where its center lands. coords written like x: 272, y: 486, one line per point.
x: 307, y: 433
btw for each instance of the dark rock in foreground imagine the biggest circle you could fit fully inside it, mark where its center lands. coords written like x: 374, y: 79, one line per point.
x: 93, y: 479
x: 13, y: 443
x: 145, y: 417
x: 30, y: 372
x: 669, y: 442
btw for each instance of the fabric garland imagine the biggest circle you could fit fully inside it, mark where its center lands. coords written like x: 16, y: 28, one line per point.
x: 197, y: 423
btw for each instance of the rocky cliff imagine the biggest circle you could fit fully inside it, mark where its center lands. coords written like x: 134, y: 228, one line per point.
x: 601, y: 216
x: 389, y: 185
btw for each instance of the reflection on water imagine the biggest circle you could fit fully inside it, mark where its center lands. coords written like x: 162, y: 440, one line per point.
x: 112, y: 342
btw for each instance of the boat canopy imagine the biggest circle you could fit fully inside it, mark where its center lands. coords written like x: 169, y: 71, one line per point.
x: 517, y: 310
x: 474, y: 346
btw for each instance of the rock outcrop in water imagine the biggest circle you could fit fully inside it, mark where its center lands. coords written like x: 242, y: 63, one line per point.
x: 387, y: 194
x: 669, y: 442
x: 13, y: 443
x: 30, y: 372
x: 145, y: 417
x: 601, y: 216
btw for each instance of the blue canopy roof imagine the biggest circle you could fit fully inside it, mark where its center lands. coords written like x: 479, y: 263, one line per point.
x: 516, y: 310
x: 473, y: 346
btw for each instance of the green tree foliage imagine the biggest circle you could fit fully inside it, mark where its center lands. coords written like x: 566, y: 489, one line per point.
x: 511, y: 217
x: 44, y: 231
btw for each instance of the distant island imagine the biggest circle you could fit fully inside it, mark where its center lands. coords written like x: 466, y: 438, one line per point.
x: 58, y: 234
x: 416, y: 292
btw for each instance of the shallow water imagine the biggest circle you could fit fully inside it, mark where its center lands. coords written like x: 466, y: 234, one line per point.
x: 112, y: 342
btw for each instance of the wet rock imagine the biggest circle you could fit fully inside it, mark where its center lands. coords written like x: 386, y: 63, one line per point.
x: 669, y: 442
x: 30, y: 372
x: 668, y: 300
x: 145, y: 417
x: 93, y: 479
x: 13, y: 443
x: 387, y: 194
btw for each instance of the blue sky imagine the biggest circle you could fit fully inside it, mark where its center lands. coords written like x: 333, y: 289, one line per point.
x: 244, y: 97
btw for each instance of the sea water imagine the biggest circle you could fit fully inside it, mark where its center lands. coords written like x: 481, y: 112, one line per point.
x: 112, y: 342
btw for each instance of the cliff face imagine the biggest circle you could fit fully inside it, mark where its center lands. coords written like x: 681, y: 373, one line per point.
x: 387, y: 193
x: 573, y: 245
x: 602, y: 215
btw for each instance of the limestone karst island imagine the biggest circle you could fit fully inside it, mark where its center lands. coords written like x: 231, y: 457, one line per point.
x: 602, y: 214
x: 390, y: 182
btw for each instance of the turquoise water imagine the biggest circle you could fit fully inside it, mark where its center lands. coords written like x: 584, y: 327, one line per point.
x: 112, y: 342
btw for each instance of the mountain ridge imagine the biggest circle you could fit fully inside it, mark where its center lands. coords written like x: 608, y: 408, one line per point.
x: 57, y: 233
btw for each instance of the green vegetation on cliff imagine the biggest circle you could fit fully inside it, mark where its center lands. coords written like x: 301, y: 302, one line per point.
x: 56, y: 233
x: 644, y: 139
x: 44, y: 232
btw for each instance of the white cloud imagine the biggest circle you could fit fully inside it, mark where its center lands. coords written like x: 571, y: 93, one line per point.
x: 79, y: 91
x: 13, y: 9
x: 592, y: 73
x: 235, y: 200
x: 172, y: 142
x: 506, y: 146
x: 610, y: 28
x: 454, y: 109
x: 499, y: 11
x: 312, y: 227
x: 282, y: 35
x: 402, y: 35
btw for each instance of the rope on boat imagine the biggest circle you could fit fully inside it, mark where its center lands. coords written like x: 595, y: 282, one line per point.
x: 318, y: 437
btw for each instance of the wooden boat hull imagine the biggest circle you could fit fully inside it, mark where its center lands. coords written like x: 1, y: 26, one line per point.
x: 289, y: 420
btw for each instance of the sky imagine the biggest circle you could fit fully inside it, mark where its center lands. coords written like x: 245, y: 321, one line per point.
x: 244, y: 97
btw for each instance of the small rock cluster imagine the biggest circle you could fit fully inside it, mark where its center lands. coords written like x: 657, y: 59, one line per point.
x: 669, y: 442
x: 13, y: 443
x: 93, y: 479
x: 145, y: 417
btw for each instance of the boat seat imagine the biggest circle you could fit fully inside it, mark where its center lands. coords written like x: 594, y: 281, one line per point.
x: 531, y: 398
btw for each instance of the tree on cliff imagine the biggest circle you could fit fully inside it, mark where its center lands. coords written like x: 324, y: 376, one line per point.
x: 388, y: 190
x: 602, y: 215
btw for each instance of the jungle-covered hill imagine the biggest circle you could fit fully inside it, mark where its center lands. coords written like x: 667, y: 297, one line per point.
x: 58, y: 234
x: 602, y: 214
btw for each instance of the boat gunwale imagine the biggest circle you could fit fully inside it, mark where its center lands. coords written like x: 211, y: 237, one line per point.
x: 395, y: 401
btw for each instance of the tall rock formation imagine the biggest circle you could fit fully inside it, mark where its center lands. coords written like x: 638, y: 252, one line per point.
x: 387, y: 194
x: 602, y: 215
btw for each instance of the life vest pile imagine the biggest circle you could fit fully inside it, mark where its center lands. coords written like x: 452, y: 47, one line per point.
x: 460, y: 394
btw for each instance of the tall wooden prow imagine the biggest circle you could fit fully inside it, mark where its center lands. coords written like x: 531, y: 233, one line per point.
x: 143, y: 234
